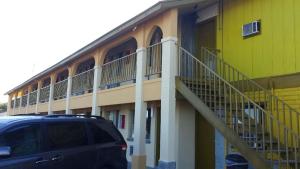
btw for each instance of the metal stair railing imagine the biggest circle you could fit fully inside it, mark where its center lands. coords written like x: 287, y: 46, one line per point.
x: 261, y: 130
x: 271, y: 103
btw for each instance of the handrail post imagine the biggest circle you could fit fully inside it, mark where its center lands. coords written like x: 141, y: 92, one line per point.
x: 139, y: 153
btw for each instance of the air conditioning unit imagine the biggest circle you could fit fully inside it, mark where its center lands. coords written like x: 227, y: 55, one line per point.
x: 252, y: 28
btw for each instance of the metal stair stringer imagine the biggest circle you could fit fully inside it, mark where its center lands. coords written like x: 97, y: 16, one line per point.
x: 254, y: 157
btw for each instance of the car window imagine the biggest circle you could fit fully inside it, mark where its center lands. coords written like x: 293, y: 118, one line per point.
x: 65, y: 135
x: 23, y: 140
x: 100, y: 136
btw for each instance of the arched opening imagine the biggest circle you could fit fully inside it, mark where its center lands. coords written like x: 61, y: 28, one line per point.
x: 154, y: 53
x: 83, y: 81
x: 61, y: 85
x: 85, y: 66
x: 62, y: 76
x: 119, y: 66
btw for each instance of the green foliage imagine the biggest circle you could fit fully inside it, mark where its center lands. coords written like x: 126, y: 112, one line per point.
x: 3, y: 107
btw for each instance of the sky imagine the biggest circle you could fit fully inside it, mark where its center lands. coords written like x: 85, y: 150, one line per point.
x: 36, y: 34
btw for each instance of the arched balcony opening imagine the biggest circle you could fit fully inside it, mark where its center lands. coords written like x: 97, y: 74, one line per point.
x: 45, y: 90
x: 119, y: 66
x: 33, y: 94
x: 154, y: 53
x: 83, y: 80
x: 61, y: 85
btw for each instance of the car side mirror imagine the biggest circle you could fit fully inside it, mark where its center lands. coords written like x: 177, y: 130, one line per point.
x: 5, y: 151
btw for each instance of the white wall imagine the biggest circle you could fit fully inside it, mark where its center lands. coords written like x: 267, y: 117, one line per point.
x: 126, y: 110
x: 186, y: 135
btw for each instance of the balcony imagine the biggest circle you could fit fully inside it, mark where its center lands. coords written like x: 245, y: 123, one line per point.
x: 119, y: 72
x: 118, y: 75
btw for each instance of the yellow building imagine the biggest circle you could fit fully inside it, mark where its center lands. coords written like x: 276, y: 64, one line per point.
x: 187, y: 82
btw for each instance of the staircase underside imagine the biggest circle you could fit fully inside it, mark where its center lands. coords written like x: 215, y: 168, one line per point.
x: 252, y: 156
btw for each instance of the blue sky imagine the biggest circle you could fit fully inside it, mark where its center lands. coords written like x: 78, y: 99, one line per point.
x: 35, y: 34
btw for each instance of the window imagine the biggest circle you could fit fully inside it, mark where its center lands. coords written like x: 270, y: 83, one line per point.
x: 122, y: 121
x: 114, y: 117
x: 23, y: 140
x: 66, y: 135
x: 131, y: 126
x: 148, y: 123
x: 100, y: 136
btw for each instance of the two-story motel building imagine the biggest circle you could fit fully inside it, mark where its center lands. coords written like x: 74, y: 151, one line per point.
x: 187, y: 82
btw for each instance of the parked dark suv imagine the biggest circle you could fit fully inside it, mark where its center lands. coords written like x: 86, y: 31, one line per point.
x: 60, y: 142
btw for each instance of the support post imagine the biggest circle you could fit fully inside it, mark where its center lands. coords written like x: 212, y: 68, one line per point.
x: 38, y: 97
x: 139, y: 152
x: 14, y: 110
x: 97, y: 79
x: 28, y: 97
x: 168, y: 104
x: 52, y: 77
x: 69, y: 90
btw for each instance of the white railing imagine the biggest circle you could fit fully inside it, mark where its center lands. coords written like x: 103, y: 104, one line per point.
x: 44, y: 94
x: 83, y: 83
x: 153, y: 62
x: 118, y: 71
x: 60, y: 90
x: 24, y: 100
x: 33, y: 97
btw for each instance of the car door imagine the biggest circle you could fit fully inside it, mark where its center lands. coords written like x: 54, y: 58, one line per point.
x: 25, y: 141
x: 69, y: 146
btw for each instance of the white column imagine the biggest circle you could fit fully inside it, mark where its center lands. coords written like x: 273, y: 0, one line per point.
x: 51, y: 95
x: 68, y: 96
x: 168, y: 104
x: 20, y: 104
x: 37, y: 97
x: 97, y: 81
x: 14, y: 109
x: 27, y: 104
x: 139, y: 152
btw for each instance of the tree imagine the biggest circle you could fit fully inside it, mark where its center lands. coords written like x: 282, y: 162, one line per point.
x: 3, y: 107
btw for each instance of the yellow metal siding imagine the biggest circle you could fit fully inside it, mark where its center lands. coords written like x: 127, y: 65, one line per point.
x: 271, y: 53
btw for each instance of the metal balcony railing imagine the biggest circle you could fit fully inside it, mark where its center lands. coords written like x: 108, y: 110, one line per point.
x: 83, y: 83
x: 154, y: 60
x: 17, y: 103
x: 12, y: 103
x: 33, y: 97
x: 60, y: 89
x: 260, y: 129
x: 44, y: 94
x: 118, y: 71
x: 24, y: 100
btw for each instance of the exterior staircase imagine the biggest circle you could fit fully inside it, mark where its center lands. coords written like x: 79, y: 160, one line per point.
x: 248, y: 116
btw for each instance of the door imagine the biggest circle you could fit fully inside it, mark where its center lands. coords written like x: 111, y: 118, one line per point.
x: 205, y: 143
x: 157, y: 148
x: 68, y: 145
x: 206, y: 37
x: 25, y: 141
